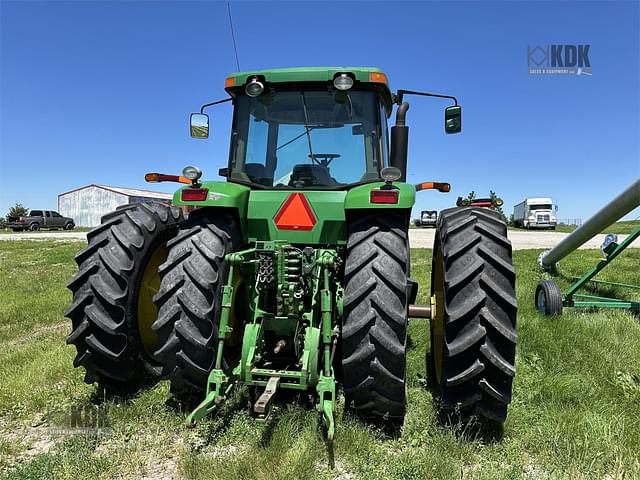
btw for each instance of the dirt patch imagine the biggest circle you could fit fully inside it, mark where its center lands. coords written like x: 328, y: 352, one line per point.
x: 28, y: 337
x: 33, y: 440
x: 161, y: 469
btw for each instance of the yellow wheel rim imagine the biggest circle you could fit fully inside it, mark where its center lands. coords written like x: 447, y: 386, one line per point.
x: 437, y: 322
x: 147, y: 311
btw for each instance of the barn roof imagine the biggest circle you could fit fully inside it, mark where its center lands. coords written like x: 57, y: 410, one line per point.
x: 130, y: 192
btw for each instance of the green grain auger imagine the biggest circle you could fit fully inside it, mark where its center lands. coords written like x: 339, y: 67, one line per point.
x: 294, y: 273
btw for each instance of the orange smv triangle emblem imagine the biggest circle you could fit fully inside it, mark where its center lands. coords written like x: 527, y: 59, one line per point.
x: 295, y: 214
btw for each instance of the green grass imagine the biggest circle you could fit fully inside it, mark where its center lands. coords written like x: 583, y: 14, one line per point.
x: 620, y: 228
x: 574, y: 412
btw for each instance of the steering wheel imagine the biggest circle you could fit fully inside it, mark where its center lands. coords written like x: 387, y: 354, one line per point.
x: 324, y: 159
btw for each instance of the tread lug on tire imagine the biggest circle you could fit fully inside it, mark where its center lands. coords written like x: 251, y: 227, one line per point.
x: 374, y: 329
x: 105, y: 290
x: 471, y: 362
x: 189, y: 301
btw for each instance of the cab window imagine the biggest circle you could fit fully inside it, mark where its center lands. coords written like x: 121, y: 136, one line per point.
x: 306, y: 138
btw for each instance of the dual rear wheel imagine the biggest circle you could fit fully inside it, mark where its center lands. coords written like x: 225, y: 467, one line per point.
x: 471, y: 363
x: 146, y: 304
x: 112, y: 296
x: 145, y: 298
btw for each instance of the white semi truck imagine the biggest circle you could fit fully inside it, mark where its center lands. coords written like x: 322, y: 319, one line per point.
x: 535, y: 213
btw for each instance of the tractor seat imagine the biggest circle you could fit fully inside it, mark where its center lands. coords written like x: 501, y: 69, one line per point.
x: 311, y: 175
x: 258, y: 174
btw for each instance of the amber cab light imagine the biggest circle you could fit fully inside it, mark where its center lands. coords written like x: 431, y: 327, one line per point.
x: 440, y: 186
x: 194, y: 194
x: 384, y: 196
x: 378, y: 77
x: 161, y: 177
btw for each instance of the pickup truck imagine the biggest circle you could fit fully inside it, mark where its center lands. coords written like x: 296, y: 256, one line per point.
x: 38, y: 219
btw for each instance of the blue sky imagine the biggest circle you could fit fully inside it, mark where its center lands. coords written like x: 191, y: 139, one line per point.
x: 100, y: 92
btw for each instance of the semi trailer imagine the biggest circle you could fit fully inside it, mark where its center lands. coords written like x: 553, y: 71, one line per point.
x: 536, y: 212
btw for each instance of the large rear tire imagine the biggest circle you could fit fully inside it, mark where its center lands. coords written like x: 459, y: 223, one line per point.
x: 189, y: 301
x: 374, y: 329
x: 111, y: 296
x: 473, y: 334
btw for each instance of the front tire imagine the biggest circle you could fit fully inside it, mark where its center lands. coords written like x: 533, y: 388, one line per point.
x: 473, y: 334
x: 374, y: 330
x: 111, y: 295
x: 189, y: 301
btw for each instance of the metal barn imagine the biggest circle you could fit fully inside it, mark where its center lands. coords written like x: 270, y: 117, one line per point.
x: 86, y: 205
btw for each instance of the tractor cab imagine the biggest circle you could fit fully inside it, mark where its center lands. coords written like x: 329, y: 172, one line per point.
x: 306, y: 135
x: 308, y: 138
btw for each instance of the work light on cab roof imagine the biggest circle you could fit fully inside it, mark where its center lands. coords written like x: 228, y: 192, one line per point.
x: 192, y: 173
x: 343, y: 81
x: 254, y: 88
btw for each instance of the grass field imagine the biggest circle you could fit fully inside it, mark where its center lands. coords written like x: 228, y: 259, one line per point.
x: 575, y: 410
x: 624, y: 227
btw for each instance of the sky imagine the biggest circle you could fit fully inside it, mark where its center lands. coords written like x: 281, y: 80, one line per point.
x: 100, y: 92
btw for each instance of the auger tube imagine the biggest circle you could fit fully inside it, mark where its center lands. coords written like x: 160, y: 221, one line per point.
x: 612, y: 211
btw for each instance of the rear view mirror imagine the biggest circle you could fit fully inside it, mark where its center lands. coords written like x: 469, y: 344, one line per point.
x: 453, y: 119
x: 199, y: 123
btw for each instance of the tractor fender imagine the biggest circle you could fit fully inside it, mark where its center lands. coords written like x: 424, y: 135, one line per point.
x: 231, y: 197
x: 359, y: 198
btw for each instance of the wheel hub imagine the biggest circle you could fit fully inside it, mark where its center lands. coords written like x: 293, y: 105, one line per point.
x: 147, y: 311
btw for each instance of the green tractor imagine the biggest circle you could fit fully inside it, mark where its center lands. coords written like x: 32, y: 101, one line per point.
x: 294, y: 273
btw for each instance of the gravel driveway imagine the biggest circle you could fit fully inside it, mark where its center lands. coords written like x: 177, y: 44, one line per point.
x: 419, y: 238
x: 54, y: 235
x: 520, y: 239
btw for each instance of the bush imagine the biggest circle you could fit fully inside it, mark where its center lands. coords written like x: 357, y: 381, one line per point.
x: 18, y: 210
